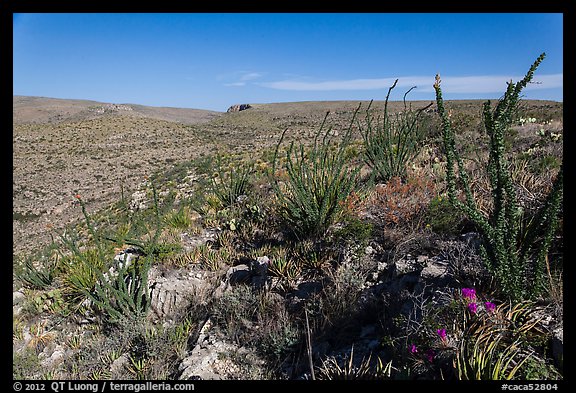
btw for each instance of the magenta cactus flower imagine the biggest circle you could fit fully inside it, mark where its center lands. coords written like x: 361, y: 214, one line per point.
x: 473, y: 307
x: 413, y: 348
x: 489, y: 306
x: 430, y: 355
x: 442, y: 333
x: 469, y: 293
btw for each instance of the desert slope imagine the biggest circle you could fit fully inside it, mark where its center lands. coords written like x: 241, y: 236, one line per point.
x: 27, y: 109
x: 67, y: 147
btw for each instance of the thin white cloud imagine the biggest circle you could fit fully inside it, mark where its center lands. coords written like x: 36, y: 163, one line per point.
x: 352, y: 84
x: 457, y: 84
x: 493, y: 84
x: 250, y: 76
x: 242, y: 77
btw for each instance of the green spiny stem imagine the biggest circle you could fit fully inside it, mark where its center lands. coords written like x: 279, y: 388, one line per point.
x: 507, y: 251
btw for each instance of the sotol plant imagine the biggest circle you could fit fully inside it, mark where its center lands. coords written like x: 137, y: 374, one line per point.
x: 515, y: 247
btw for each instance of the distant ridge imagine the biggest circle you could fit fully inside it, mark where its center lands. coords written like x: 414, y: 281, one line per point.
x: 31, y: 109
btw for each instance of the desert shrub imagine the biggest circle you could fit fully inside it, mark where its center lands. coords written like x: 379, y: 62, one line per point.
x: 279, y: 336
x: 515, y: 245
x: 399, y: 202
x: 123, y: 290
x: 333, y: 308
x: 25, y: 364
x: 318, y: 181
x: 179, y: 219
x: 442, y: 217
x: 215, y: 259
x: 391, y: 142
x: 283, y: 265
x: 465, y: 265
x: 80, y: 271
x: 241, y: 309
x: 155, y: 352
x: 312, y: 254
x: 148, y: 351
x: 354, y: 230
x: 531, y: 188
x: 536, y: 369
x: 124, y: 293
x: 547, y: 163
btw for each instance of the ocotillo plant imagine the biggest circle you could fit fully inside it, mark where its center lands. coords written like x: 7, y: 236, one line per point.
x: 319, y: 181
x: 392, y: 141
x: 515, y: 247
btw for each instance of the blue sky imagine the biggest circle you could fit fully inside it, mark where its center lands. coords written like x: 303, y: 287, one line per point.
x: 211, y: 61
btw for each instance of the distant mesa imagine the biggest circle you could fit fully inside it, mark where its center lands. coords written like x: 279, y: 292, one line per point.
x: 239, y: 107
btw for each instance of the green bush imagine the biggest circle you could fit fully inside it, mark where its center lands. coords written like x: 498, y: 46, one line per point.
x: 318, y: 182
x: 442, y: 217
x: 356, y: 231
x: 25, y: 364
x: 515, y: 244
x: 123, y: 293
x: 547, y: 163
x: 179, y: 219
x: 80, y: 272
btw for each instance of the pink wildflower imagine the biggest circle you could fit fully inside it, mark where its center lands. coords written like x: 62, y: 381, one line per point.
x: 442, y: 333
x: 469, y: 293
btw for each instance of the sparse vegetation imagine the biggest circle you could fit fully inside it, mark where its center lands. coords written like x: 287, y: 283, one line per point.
x: 283, y: 259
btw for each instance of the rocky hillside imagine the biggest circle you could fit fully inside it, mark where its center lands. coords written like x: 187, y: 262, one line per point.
x: 40, y: 110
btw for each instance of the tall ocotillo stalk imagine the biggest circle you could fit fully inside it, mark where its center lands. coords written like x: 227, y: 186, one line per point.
x: 514, y: 253
x: 392, y: 142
